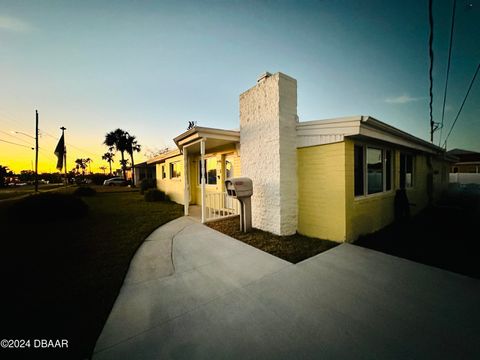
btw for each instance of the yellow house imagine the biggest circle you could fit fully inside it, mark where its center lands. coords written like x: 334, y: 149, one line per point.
x: 333, y: 179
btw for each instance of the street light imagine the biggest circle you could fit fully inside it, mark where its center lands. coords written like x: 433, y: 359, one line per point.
x: 22, y: 133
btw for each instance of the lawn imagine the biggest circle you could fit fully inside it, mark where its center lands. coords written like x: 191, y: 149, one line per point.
x: 61, y: 278
x: 15, y: 191
x: 444, y: 236
x: 293, y: 248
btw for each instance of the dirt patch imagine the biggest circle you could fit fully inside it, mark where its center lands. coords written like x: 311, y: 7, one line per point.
x: 293, y: 248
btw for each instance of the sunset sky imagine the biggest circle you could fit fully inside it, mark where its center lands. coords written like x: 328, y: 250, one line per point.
x: 149, y: 67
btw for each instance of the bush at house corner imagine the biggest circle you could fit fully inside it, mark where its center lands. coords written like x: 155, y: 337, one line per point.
x: 147, y: 184
x: 155, y: 195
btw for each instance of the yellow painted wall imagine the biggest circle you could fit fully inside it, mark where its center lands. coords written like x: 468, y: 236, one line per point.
x: 321, y: 191
x: 367, y: 214
x: 174, y: 188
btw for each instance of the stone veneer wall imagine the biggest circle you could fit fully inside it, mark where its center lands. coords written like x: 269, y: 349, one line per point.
x: 268, y: 119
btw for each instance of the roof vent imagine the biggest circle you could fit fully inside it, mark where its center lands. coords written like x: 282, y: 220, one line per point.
x: 263, y: 76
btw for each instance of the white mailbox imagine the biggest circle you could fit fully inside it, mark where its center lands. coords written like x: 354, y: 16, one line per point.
x: 242, y: 189
x: 239, y: 187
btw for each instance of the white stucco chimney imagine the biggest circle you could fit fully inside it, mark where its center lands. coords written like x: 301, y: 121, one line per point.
x: 268, y: 119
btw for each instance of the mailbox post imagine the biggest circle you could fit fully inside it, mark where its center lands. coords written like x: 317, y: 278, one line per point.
x: 242, y: 189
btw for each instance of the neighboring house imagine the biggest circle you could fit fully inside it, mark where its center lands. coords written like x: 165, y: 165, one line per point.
x: 466, y: 169
x: 128, y: 172
x: 467, y: 161
x: 143, y: 171
x: 332, y: 179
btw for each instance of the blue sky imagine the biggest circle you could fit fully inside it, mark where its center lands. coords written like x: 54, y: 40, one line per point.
x: 151, y: 66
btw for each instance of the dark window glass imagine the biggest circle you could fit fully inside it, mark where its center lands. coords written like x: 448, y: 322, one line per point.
x: 374, y: 170
x: 175, y: 170
x: 358, y: 169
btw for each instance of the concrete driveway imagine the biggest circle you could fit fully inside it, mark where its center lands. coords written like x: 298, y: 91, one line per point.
x: 194, y: 293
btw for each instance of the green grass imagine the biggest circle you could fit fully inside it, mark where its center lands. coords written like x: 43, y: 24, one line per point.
x: 293, y: 248
x: 62, y: 278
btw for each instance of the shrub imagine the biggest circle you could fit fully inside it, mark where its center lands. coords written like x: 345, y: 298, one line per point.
x: 147, y: 184
x: 47, y: 207
x: 154, y: 195
x: 84, y: 191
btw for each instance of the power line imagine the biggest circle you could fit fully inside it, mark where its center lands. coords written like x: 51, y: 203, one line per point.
x: 463, y: 103
x: 448, y: 70
x: 9, y: 142
x: 15, y: 137
x: 430, y: 72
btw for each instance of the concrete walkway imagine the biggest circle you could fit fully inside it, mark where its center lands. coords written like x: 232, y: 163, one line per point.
x: 193, y: 293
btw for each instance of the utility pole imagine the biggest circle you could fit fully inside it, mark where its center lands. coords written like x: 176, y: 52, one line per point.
x: 36, y: 151
x: 63, y: 128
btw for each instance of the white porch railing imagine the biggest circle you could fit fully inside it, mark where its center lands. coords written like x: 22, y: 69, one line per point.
x: 218, y: 205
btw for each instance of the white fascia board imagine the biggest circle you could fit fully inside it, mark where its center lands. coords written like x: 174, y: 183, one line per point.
x: 162, y: 157
x: 386, y: 137
x: 202, y: 132
x: 379, y: 130
x: 320, y: 132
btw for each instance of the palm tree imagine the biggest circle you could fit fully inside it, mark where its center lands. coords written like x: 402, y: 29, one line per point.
x: 103, y: 168
x: 88, y: 161
x: 81, y: 164
x: 108, y: 156
x: 117, y: 140
x: 132, y: 146
x: 3, y: 175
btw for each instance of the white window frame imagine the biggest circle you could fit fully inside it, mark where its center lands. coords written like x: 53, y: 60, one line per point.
x: 206, y: 171
x: 384, y: 174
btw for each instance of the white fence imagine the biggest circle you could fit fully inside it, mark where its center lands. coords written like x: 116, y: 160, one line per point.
x: 219, y: 205
x: 465, y: 178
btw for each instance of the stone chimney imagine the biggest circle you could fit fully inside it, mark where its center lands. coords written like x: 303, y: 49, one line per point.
x: 268, y: 119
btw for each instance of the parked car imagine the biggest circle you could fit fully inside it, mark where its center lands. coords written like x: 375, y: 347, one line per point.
x: 115, y: 181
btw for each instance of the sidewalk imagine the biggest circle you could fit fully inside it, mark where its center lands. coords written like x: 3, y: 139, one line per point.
x: 194, y: 293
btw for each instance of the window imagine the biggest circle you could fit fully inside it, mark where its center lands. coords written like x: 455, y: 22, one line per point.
x: 164, y: 174
x: 229, y: 167
x: 406, y: 170
x: 175, y: 171
x: 359, y: 176
x: 210, y: 171
x: 372, y: 170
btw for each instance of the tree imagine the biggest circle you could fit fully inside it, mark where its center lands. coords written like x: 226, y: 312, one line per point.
x: 81, y: 164
x: 103, y: 168
x: 117, y: 140
x: 3, y: 175
x: 108, y: 156
x: 132, y: 146
x: 88, y: 161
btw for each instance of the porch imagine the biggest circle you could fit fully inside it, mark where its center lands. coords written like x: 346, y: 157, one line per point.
x: 210, y: 156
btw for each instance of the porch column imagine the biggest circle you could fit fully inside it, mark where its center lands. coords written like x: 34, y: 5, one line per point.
x: 186, y: 189
x: 202, y: 164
